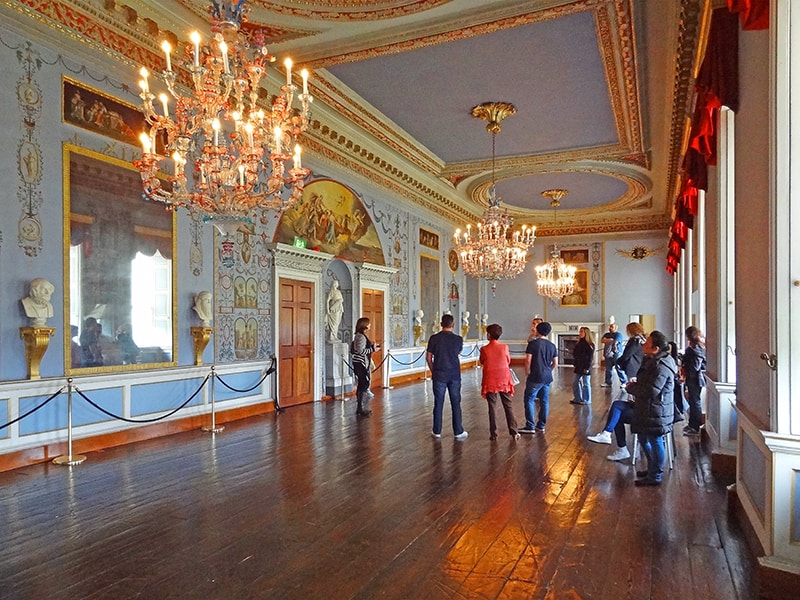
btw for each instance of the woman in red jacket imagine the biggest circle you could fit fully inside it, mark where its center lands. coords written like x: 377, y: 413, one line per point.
x: 496, y: 383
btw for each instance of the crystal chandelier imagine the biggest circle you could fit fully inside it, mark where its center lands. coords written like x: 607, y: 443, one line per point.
x: 238, y: 149
x: 555, y: 278
x: 492, y: 251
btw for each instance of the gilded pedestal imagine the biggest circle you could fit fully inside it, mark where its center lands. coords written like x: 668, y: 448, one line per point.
x: 36, y: 341
x: 200, y: 337
x: 418, y: 329
x: 464, y: 331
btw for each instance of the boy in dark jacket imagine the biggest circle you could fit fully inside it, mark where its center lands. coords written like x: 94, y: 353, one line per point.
x: 654, y: 407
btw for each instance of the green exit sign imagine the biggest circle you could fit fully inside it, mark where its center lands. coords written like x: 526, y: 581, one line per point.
x: 299, y: 242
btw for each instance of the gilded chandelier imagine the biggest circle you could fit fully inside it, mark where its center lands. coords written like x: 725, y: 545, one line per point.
x: 555, y: 278
x: 493, y: 251
x: 236, y: 150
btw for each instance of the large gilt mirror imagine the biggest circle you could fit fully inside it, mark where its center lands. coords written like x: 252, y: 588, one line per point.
x: 119, y: 268
x: 429, y: 292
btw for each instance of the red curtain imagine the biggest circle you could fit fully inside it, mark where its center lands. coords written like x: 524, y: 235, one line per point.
x: 717, y: 85
x: 754, y: 13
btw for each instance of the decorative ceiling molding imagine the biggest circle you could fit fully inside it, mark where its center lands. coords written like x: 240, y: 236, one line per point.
x: 686, y: 57
x: 349, y: 10
x: 338, y: 149
x: 390, y: 45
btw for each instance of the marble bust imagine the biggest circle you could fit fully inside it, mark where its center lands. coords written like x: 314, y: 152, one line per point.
x: 203, y: 307
x: 37, y: 303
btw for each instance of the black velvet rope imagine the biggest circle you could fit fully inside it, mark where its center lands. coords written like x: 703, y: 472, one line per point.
x: 31, y: 411
x: 407, y: 364
x: 267, y: 373
x: 153, y: 420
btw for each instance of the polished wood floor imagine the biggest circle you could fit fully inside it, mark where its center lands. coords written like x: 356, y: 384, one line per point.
x: 316, y: 503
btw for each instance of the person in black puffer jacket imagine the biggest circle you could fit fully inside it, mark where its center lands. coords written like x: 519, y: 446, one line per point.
x: 654, y: 407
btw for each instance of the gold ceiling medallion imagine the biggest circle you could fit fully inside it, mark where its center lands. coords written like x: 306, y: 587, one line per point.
x: 638, y: 252
x: 493, y: 113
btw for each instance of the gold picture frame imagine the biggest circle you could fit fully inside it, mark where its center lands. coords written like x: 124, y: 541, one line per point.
x: 120, y: 268
x: 580, y: 295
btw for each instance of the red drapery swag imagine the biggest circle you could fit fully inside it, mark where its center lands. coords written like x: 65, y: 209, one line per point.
x: 717, y: 85
x: 754, y: 13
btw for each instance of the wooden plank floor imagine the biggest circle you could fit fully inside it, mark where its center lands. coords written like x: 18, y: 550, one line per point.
x: 315, y: 503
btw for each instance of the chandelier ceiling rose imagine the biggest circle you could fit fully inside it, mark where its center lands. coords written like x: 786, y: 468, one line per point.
x: 228, y: 150
x: 494, y: 113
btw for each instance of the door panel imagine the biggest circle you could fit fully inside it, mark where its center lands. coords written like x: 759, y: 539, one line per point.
x: 372, y: 308
x: 296, y: 341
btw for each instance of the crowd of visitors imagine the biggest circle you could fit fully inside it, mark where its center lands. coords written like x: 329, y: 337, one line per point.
x: 653, y: 379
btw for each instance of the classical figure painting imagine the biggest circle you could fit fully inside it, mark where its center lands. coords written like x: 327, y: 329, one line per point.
x: 246, y: 338
x: 91, y: 109
x: 580, y: 295
x: 575, y: 256
x: 333, y: 219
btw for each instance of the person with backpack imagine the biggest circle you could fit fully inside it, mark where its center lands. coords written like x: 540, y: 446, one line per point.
x: 612, y: 350
x: 693, y: 366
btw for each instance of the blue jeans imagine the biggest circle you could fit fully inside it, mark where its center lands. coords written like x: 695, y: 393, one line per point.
x: 611, y: 366
x: 653, y: 446
x: 532, y: 390
x: 621, y: 412
x: 582, y: 388
x: 453, y: 388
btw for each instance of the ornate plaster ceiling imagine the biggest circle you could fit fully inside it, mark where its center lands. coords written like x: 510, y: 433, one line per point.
x: 600, y: 88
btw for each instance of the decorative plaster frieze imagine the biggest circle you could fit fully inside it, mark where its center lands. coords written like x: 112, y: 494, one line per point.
x: 298, y: 259
x: 368, y: 272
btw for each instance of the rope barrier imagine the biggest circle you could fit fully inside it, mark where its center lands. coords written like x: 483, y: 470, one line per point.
x: 470, y: 353
x: 272, y: 368
x: 405, y: 364
x: 154, y: 419
x: 33, y: 410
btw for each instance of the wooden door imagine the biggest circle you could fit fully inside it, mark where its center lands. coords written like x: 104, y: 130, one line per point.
x: 296, y: 342
x: 372, y: 308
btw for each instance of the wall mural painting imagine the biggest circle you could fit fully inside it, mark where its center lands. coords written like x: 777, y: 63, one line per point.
x: 332, y: 218
x: 244, y: 296
x: 29, y: 154
x: 246, y: 338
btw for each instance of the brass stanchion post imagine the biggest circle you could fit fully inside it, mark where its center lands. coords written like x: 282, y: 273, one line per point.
x: 213, y: 428
x: 69, y: 459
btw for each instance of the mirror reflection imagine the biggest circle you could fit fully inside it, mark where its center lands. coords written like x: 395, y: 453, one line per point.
x: 121, y: 268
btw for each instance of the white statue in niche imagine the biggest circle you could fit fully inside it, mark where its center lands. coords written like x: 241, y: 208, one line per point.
x: 418, y: 318
x: 203, y: 307
x: 335, y: 310
x: 37, y: 303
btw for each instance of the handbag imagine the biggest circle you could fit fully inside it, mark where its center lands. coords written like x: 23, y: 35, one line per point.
x: 514, y: 378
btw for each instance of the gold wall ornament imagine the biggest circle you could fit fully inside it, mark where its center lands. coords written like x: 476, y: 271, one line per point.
x: 638, y: 252
x: 36, y: 339
x: 200, y: 337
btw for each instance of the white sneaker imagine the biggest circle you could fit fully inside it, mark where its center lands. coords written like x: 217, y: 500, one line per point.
x: 462, y: 436
x: 370, y: 394
x: 619, y: 454
x: 604, y: 437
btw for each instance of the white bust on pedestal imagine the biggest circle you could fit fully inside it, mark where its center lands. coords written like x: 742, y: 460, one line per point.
x: 37, y: 303
x: 203, y: 307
